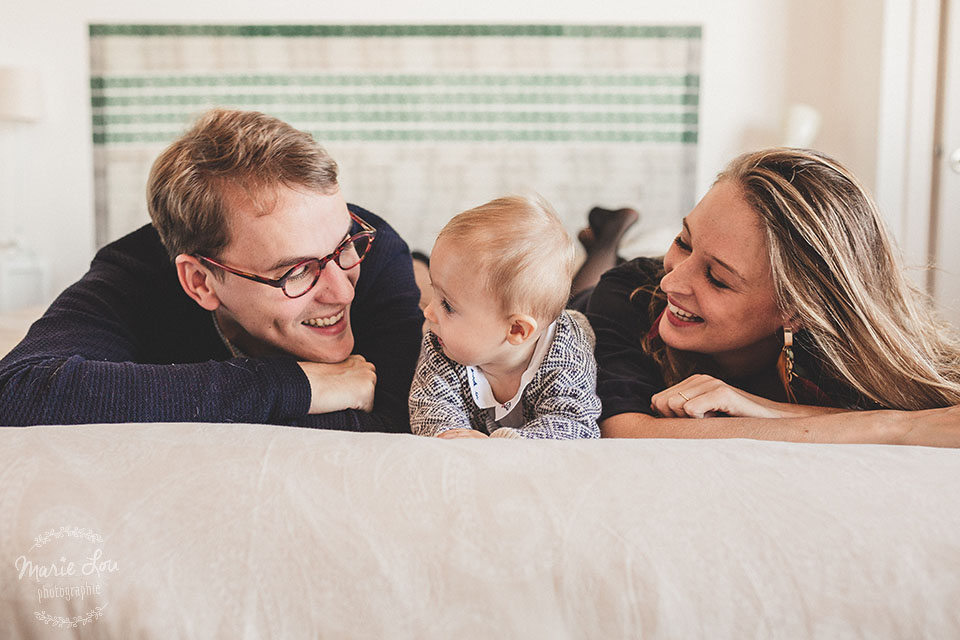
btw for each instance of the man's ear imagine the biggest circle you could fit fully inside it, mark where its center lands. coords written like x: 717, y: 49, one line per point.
x: 522, y: 327
x: 197, y: 281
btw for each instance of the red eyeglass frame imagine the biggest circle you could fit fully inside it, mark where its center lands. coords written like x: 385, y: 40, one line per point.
x: 368, y: 232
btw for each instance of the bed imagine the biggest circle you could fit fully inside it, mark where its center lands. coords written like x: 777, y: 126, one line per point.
x: 253, y: 531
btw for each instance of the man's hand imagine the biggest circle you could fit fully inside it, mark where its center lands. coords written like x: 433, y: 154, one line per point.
x: 450, y: 434
x: 345, y: 385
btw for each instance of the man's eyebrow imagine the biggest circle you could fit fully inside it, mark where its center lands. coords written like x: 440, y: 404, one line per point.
x: 295, y: 260
x: 715, y: 258
x: 287, y: 262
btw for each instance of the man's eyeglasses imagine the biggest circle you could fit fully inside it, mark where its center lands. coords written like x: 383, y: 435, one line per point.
x: 301, y: 277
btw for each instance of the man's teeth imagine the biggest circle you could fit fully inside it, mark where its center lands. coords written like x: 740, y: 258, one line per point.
x: 323, y: 322
x: 683, y: 315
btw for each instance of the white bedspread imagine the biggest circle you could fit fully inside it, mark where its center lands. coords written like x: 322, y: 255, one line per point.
x: 239, y: 531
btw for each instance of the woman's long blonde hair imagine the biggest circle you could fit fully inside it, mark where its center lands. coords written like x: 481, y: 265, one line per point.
x: 836, y: 270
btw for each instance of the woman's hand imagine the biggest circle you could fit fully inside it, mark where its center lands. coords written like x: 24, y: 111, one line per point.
x: 703, y: 396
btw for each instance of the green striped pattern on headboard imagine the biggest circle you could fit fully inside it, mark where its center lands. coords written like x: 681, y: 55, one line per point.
x: 418, y: 107
x: 462, y: 113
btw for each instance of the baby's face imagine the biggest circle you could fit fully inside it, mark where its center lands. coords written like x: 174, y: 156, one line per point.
x: 465, y: 318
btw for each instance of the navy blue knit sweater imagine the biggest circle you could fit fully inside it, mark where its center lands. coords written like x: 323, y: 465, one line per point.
x: 126, y: 344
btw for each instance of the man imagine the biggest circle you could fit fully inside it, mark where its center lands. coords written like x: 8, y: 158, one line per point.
x: 257, y: 295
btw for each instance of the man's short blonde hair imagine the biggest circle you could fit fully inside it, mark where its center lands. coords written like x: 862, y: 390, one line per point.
x: 228, y: 152
x: 522, y: 252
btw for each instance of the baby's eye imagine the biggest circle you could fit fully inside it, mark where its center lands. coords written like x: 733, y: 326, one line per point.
x: 446, y: 305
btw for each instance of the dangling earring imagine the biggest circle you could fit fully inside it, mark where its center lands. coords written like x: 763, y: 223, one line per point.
x: 785, y: 364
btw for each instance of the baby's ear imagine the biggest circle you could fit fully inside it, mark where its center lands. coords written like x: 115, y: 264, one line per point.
x: 522, y: 327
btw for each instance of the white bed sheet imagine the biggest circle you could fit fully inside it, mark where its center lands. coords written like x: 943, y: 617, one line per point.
x: 245, y: 531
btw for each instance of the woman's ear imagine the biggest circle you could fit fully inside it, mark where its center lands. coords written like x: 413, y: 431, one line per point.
x: 790, y: 318
x: 522, y: 327
x: 197, y: 281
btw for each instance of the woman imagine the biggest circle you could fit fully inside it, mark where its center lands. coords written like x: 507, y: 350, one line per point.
x: 781, y: 312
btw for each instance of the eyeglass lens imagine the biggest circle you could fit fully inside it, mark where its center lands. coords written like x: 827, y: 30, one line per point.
x: 349, y: 255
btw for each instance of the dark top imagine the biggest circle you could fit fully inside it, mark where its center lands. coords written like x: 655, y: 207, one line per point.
x: 126, y: 344
x: 628, y: 377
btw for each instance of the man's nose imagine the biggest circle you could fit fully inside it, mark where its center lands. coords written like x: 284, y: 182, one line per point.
x: 335, y: 285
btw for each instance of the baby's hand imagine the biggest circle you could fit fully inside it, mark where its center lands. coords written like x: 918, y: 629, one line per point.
x: 461, y: 433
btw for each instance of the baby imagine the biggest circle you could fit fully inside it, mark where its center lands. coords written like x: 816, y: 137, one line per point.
x: 502, y: 357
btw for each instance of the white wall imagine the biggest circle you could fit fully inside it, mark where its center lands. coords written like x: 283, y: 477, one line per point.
x: 758, y: 57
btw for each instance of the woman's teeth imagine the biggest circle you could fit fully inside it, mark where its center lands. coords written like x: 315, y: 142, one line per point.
x: 323, y: 322
x: 683, y: 315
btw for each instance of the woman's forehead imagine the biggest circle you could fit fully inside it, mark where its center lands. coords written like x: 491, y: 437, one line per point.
x: 724, y: 226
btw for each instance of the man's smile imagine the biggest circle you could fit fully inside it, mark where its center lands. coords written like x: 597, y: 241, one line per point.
x: 325, y: 322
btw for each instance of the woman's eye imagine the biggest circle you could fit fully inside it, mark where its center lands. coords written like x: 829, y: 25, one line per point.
x: 680, y: 243
x: 717, y: 283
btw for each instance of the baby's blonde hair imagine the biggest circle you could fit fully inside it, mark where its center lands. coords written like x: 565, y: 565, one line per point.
x: 524, y: 255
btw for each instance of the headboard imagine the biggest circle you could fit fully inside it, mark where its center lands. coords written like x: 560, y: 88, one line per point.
x: 424, y: 120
